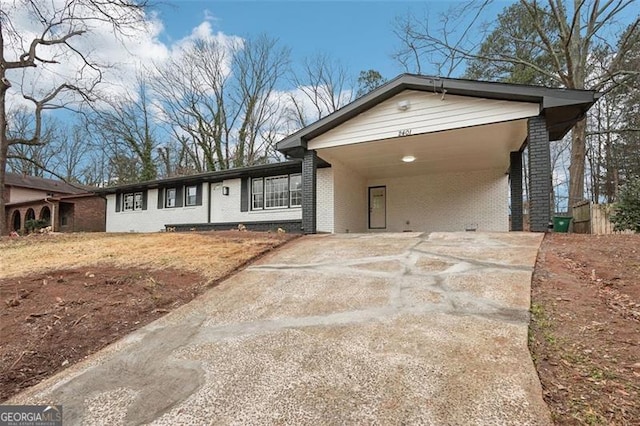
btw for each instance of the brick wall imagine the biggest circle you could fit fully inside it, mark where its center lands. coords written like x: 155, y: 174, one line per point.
x: 447, y: 201
x: 309, y: 173
x: 434, y: 202
x: 349, y: 200
x: 83, y: 214
x: 539, y: 175
x: 226, y: 208
x: 153, y: 219
x: 36, y: 207
x: 325, y: 200
x: 89, y: 214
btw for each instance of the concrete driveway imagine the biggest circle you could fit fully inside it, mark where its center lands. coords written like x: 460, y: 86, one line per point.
x: 342, y: 329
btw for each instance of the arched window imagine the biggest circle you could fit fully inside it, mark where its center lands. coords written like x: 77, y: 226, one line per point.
x: 15, y: 221
x: 31, y: 215
x: 45, y: 215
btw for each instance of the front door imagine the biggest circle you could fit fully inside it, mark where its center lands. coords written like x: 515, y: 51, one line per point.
x: 377, y: 207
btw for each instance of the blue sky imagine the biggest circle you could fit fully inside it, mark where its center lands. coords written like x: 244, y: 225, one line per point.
x: 357, y: 33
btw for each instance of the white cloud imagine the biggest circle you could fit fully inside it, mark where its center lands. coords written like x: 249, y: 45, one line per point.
x: 204, y: 31
x: 119, y: 55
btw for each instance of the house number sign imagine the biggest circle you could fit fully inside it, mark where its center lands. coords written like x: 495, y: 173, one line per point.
x: 404, y: 132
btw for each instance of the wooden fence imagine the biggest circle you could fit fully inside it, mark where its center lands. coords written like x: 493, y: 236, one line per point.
x: 591, y: 218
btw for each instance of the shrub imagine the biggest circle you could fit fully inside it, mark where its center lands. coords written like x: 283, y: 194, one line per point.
x: 626, y: 214
x: 32, y: 225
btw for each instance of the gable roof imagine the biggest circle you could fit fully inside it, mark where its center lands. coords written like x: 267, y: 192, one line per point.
x: 42, y: 184
x: 562, y: 107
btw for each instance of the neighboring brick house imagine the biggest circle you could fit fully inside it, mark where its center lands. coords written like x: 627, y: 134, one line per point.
x: 416, y: 154
x: 65, y: 207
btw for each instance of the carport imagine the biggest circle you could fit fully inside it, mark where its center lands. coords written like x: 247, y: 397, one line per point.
x: 434, y: 154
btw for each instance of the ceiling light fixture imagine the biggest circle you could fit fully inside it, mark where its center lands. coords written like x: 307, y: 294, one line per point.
x: 408, y: 158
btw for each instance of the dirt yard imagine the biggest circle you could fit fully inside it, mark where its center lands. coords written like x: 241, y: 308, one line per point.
x: 66, y: 296
x: 585, y: 333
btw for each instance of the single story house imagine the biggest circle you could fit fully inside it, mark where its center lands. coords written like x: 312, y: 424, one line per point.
x: 416, y: 154
x: 64, y: 207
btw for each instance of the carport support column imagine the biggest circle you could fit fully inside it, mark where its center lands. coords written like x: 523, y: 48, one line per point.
x: 515, y: 176
x: 309, y: 167
x: 539, y: 175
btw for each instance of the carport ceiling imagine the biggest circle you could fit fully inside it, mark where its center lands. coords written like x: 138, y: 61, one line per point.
x: 471, y: 148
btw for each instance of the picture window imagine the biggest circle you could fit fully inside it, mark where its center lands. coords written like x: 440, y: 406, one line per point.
x: 276, y: 192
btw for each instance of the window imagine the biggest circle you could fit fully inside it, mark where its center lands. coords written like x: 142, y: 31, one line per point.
x: 190, y: 197
x: 137, y: 201
x: 170, y: 197
x: 257, y: 194
x: 132, y: 201
x: 276, y: 192
x: 295, y: 190
x: 128, y: 202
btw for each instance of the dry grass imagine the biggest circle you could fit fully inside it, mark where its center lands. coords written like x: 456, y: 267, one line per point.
x: 209, y: 254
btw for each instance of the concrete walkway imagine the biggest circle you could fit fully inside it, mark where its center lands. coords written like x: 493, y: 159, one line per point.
x: 343, y: 329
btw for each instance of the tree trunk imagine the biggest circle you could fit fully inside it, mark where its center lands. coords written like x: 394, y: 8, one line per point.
x: 4, y: 148
x: 576, y: 168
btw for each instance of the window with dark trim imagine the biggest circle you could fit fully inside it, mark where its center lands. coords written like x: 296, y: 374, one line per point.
x: 257, y: 194
x: 170, y: 197
x: 276, y: 192
x: 190, y: 197
x: 137, y: 201
x: 132, y: 201
x: 295, y: 190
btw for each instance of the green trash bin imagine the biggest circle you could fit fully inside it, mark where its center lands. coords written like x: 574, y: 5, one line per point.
x: 561, y: 223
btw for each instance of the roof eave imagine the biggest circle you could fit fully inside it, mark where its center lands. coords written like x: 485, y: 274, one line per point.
x: 216, y: 176
x: 547, y: 98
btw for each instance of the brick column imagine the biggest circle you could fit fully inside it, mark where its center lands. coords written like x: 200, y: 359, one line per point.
x: 515, y: 176
x: 539, y: 175
x: 309, y: 167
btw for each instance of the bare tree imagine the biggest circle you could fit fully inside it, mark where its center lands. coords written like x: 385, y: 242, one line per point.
x: 566, y: 36
x: 72, y: 151
x: 126, y: 120
x: 218, y: 97
x: 323, y: 86
x: 31, y: 159
x: 61, y: 24
x: 257, y: 68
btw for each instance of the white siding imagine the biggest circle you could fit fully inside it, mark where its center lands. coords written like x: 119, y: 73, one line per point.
x: 447, y: 201
x: 324, y: 201
x: 226, y: 208
x: 427, y: 112
x: 153, y: 219
x: 349, y: 200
